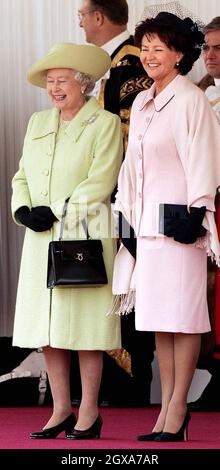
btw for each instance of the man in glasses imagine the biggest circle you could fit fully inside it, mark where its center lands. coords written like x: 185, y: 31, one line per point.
x: 211, y: 54
x: 210, y: 398
x: 105, y: 25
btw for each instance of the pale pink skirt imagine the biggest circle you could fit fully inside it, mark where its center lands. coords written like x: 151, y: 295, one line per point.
x: 171, y: 287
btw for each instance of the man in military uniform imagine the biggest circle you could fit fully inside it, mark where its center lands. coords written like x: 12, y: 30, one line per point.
x: 210, y: 398
x: 105, y: 25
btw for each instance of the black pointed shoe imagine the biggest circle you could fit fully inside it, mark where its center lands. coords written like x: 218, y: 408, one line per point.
x: 50, y: 433
x: 91, y: 433
x: 181, y: 435
x: 149, y: 437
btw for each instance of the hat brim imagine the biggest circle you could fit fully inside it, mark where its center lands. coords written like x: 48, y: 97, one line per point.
x: 88, y: 59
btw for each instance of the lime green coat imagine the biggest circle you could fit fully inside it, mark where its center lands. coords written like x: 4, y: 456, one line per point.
x: 82, y: 162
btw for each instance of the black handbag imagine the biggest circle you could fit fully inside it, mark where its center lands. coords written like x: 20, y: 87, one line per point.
x: 169, y: 212
x: 75, y: 263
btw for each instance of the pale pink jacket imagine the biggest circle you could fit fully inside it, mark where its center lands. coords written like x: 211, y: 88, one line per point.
x: 196, y: 139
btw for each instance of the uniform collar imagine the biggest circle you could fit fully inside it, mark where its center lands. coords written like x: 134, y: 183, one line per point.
x: 112, y: 45
x: 161, y: 100
x: 49, y: 123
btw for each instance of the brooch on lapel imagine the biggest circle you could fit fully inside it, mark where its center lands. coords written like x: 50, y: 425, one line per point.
x: 85, y: 123
x: 90, y: 120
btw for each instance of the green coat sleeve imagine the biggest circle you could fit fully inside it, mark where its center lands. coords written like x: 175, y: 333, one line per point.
x: 20, y: 192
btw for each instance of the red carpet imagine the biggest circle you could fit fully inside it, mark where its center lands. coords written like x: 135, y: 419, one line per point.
x: 120, y: 428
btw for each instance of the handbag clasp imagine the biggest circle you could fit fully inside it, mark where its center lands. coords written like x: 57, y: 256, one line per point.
x: 79, y: 256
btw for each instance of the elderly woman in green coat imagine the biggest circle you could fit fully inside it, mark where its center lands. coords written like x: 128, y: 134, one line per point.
x: 72, y: 150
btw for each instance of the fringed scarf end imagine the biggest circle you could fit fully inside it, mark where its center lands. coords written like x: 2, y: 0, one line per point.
x: 205, y: 242
x: 123, y: 304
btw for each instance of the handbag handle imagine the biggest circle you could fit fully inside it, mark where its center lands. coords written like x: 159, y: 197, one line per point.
x: 63, y: 217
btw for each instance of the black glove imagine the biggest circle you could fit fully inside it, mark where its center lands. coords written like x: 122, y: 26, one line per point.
x: 32, y: 220
x: 45, y: 212
x: 127, y: 235
x: 188, y: 230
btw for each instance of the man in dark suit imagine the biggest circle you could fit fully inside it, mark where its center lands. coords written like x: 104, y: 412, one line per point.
x: 105, y: 25
x: 210, y: 398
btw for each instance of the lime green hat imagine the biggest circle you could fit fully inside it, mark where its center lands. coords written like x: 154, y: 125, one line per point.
x: 84, y: 58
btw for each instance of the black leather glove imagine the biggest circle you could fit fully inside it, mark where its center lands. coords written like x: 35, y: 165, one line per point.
x: 32, y: 220
x: 188, y: 230
x: 127, y: 235
x: 44, y: 212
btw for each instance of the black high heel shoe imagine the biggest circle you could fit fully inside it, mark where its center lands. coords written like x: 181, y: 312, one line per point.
x: 149, y: 437
x: 91, y: 433
x: 181, y: 435
x: 50, y: 433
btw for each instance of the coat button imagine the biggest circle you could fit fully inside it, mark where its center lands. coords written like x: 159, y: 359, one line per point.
x: 140, y: 195
x: 44, y: 192
x: 140, y: 156
x: 49, y: 153
x: 140, y: 137
x: 45, y: 172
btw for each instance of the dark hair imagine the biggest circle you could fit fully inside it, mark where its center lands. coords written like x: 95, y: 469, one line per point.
x: 214, y: 25
x: 181, y: 35
x: 115, y: 10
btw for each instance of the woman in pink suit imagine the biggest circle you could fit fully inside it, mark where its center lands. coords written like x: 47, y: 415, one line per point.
x: 166, y: 191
